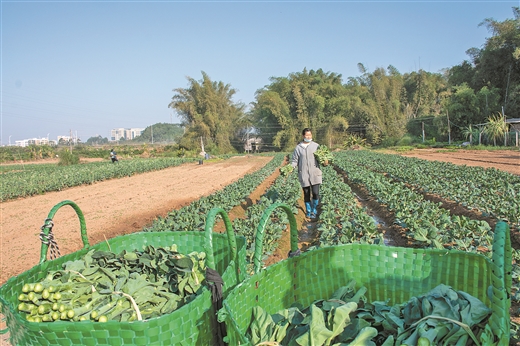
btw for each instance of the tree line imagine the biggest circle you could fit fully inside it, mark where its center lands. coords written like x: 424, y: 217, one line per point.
x: 464, y: 102
x: 379, y: 105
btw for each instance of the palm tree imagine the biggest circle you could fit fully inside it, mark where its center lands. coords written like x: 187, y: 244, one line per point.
x: 496, y: 127
x: 207, y: 110
x: 468, y: 132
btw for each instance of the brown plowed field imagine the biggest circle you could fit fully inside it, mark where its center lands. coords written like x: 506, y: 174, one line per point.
x: 505, y: 160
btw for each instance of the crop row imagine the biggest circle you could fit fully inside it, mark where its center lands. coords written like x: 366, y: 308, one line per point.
x: 38, y: 181
x: 283, y: 190
x: 193, y: 216
x: 490, y: 191
x: 427, y: 223
x: 342, y: 220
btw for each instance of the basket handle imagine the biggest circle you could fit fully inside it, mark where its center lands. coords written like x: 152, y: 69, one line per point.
x: 502, y: 279
x: 259, y: 241
x: 5, y: 330
x: 502, y: 254
x: 48, y: 224
x: 208, y: 246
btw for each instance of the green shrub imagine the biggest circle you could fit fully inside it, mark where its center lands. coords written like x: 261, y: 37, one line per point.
x: 404, y: 148
x: 422, y: 146
x: 67, y: 158
x: 407, y: 140
x: 353, y: 140
x: 389, y: 142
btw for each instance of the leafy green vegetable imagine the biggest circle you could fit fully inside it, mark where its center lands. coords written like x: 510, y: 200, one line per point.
x: 324, y: 155
x: 106, y: 286
x: 286, y: 170
x: 443, y: 316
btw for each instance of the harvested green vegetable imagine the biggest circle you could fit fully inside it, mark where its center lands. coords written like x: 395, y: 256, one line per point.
x: 286, y: 170
x: 440, y: 317
x: 324, y: 155
x: 106, y: 286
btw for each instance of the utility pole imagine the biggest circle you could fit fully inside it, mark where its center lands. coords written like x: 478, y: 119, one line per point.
x: 423, y: 131
x: 507, y: 88
x: 449, y: 129
x: 505, y: 127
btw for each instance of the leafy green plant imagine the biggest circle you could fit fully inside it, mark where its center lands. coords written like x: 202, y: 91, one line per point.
x: 68, y: 158
x: 103, y: 286
x: 342, y: 220
x: 324, y: 155
x: 193, y: 216
x: 353, y: 140
x: 38, y: 179
x: 286, y: 170
x: 426, y: 222
x: 442, y: 316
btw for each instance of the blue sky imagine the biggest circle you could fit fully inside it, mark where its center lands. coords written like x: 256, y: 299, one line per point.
x: 90, y: 66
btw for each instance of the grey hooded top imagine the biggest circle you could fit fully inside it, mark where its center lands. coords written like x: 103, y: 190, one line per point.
x: 309, y: 171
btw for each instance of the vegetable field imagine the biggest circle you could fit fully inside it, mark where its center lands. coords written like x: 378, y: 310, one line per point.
x: 178, y: 198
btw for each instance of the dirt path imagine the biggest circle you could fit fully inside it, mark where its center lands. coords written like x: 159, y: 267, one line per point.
x: 111, y: 208
x: 504, y: 160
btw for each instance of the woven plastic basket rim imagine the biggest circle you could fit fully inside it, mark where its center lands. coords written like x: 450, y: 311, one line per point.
x: 251, y: 282
x: 19, y: 321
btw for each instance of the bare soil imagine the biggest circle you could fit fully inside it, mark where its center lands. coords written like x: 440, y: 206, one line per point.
x: 504, y: 160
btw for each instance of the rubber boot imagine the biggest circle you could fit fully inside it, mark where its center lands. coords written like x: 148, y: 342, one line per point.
x: 308, y: 209
x: 314, y: 211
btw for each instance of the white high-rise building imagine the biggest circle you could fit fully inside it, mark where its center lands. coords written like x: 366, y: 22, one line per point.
x: 126, y: 133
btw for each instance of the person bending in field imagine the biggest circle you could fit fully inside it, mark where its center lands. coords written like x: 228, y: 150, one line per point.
x: 309, y: 172
x: 113, y: 156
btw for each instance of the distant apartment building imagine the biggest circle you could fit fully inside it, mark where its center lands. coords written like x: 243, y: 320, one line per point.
x: 125, y: 133
x: 34, y: 141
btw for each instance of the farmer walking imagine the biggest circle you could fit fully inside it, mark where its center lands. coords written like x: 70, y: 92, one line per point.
x: 309, y: 172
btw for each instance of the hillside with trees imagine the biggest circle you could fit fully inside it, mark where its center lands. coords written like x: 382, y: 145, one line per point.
x: 161, y: 133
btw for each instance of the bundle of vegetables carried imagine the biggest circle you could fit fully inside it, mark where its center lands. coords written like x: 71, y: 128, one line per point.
x: 103, y: 286
x: 286, y: 170
x: 440, y: 317
x: 324, y: 155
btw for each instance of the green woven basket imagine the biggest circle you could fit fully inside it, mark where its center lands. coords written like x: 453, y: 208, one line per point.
x: 193, y: 324
x: 387, y: 272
